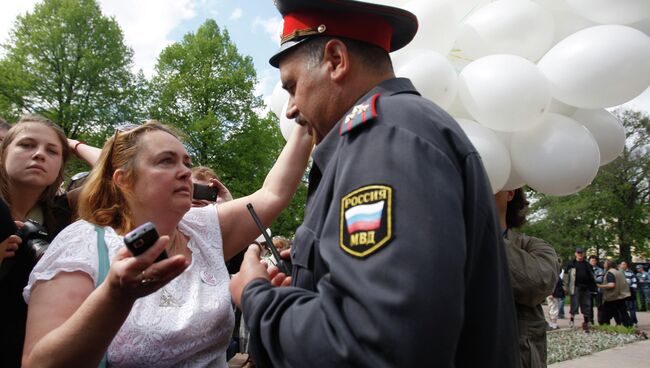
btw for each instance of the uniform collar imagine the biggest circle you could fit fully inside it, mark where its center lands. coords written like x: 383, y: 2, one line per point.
x: 390, y: 87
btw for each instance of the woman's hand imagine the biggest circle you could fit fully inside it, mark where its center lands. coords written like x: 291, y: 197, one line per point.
x: 132, y: 277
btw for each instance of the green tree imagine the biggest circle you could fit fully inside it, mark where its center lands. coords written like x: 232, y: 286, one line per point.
x: 205, y: 88
x: 68, y: 62
x: 611, y: 215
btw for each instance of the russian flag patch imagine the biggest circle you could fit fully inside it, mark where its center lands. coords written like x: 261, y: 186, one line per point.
x: 366, y: 219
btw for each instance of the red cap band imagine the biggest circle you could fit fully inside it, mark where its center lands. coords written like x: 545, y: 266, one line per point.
x: 369, y: 28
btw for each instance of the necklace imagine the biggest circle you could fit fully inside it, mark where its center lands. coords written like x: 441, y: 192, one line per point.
x: 167, y: 293
x: 175, y: 243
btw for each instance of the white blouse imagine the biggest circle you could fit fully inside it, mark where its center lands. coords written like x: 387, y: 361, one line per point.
x: 187, y: 323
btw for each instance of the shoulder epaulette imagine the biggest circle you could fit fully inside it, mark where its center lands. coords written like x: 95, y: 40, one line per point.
x: 362, y: 113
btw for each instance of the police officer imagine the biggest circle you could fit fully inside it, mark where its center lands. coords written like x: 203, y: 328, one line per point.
x: 399, y: 261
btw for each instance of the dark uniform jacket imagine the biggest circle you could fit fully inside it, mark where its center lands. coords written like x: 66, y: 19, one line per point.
x: 399, y: 261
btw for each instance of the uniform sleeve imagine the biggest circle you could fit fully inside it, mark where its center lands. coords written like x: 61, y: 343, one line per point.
x: 400, y: 305
x: 534, y: 268
x: 73, y: 249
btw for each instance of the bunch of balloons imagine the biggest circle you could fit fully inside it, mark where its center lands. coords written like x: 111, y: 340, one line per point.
x: 528, y: 81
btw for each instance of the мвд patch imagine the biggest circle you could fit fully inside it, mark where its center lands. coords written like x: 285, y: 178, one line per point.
x: 366, y: 219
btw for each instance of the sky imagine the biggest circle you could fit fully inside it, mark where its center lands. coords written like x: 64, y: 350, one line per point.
x: 150, y: 25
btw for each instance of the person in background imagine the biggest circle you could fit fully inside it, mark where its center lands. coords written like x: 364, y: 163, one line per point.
x: 553, y: 302
x: 86, y: 152
x: 643, y: 278
x: 399, y: 261
x: 206, y: 176
x: 561, y: 299
x: 281, y: 243
x: 599, y: 273
x: 615, y: 291
x: 4, y: 129
x: 148, y: 313
x: 630, y: 301
x: 534, y: 270
x: 33, y: 155
x: 579, y: 282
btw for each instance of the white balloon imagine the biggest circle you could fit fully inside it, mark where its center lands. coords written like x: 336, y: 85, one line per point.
x: 494, y: 155
x: 279, y: 98
x: 433, y: 76
x: 599, y: 67
x: 558, y: 156
x: 612, y: 11
x: 458, y: 110
x: 504, y: 92
x: 643, y: 26
x: 286, y: 124
x: 606, y: 129
x: 553, y: 4
x: 518, y: 27
x: 465, y: 8
x: 514, y: 180
x: 567, y: 23
x: 438, y: 25
x: 561, y: 108
x: 395, y: 3
x: 403, y: 56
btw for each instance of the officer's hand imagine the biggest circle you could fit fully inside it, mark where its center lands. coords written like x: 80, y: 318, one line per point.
x: 278, y: 278
x: 251, y: 268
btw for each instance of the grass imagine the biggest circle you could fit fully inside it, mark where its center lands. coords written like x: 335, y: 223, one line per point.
x: 614, y: 329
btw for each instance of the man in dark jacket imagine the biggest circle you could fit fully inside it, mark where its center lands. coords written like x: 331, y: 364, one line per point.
x: 579, y: 283
x: 399, y: 261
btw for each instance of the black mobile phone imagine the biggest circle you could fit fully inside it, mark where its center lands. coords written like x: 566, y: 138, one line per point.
x: 142, y: 238
x: 206, y: 192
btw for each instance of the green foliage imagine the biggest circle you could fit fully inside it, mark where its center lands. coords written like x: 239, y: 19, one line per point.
x: 609, y: 217
x: 205, y: 88
x: 68, y: 62
x: 614, y: 329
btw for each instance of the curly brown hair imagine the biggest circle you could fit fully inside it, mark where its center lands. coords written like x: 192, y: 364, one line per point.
x: 204, y: 173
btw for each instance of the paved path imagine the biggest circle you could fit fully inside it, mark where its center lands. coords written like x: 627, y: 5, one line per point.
x: 635, y: 355
x: 630, y: 355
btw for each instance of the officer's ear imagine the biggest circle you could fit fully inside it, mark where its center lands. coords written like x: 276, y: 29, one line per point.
x: 336, y: 57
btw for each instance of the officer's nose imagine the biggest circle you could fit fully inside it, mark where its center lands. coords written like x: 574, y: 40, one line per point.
x: 292, y: 109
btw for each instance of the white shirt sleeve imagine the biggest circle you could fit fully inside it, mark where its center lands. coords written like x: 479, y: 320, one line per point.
x: 73, y: 249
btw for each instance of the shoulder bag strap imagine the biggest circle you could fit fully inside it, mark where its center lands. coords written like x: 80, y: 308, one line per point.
x: 104, y: 264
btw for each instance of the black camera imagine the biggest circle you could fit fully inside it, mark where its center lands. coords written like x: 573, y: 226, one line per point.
x: 34, y: 237
x: 34, y: 243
